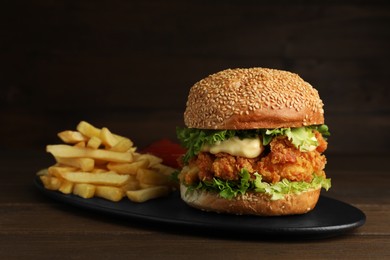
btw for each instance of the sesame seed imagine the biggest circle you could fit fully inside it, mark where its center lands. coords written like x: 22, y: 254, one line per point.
x: 215, y: 99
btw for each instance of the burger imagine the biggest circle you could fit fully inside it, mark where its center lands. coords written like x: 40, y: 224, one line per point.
x: 254, y: 140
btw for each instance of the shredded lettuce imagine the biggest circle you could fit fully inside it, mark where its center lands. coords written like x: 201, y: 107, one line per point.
x: 302, y: 138
x: 276, y: 191
x: 194, y: 139
x: 283, y: 187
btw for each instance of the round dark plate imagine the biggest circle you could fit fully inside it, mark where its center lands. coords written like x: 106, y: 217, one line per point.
x: 329, y: 218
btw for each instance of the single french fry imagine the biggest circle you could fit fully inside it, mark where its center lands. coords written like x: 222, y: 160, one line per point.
x: 71, y: 137
x: 84, y: 190
x: 88, y: 130
x: 103, y: 178
x: 66, y: 151
x: 85, y: 164
x: 94, y: 142
x: 50, y: 182
x: 148, y: 193
x: 123, y: 145
x: 148, y: 176
x: 109, y: 192
x: 127, y: 168
x: 66, y: 187
x: 108, y: 139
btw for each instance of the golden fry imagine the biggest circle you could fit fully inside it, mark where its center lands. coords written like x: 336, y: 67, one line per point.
x: 66, y: 187
x: 71, y: 137
x: 94, y: 142
x: 108, y: 139
x: 50, y: 182
x: 103, y: 178
x: 109, y: 193
x: 84, y: 190
x: 66, y: 151
x: 88, y: 130
x: 148, y: 193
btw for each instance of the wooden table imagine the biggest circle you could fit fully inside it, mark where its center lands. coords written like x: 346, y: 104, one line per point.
x: 32, y: 225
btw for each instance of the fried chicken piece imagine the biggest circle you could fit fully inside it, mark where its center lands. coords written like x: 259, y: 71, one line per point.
x: 204, y: 162
x: 228, y: 167
x: 224, y: 167
x: 286, y: 162
x: 322, y: 143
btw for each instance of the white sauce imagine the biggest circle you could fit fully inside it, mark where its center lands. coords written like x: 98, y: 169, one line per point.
x: 248, y: 148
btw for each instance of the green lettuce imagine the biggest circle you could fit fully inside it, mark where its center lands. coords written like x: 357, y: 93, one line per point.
x: 302, y: 138
x: 276, y: 191
x: 194, y: 139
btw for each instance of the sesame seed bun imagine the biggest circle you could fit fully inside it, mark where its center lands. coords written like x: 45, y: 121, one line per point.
x: 253, y: 98
x: 251, y: 203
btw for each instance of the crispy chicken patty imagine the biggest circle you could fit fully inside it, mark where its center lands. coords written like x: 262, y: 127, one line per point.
x: 283, y: 161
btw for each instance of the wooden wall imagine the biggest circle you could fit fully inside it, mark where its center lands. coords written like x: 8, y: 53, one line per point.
x: 128, y: 65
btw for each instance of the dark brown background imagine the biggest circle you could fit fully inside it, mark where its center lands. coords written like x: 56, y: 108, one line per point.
x: 128, y: 65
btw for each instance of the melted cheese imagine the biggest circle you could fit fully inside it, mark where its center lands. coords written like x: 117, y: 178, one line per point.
x: 248, y: 148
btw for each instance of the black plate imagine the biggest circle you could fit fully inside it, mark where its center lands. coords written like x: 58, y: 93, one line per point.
x: 329, y: 218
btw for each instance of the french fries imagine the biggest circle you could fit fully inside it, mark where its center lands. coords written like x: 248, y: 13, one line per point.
x: 94, y: 162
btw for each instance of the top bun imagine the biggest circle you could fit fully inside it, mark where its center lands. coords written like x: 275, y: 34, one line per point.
x: 253, y: 98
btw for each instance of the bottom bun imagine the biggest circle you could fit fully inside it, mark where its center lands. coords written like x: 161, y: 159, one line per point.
x: 251, y: 203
